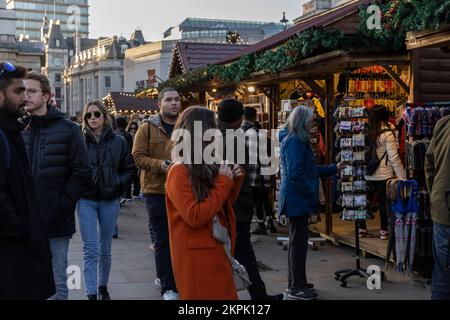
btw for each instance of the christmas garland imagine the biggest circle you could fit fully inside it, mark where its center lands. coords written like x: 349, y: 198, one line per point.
x: 397, y: 17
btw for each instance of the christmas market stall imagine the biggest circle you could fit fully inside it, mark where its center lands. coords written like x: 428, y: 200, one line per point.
x: 339, y: 68
x: 128, y: 104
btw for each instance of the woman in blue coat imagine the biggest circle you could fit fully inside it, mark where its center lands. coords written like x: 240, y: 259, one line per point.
x: 299, y: 195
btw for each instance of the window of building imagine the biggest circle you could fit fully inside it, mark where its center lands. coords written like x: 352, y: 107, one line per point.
x: 107, y: 82
x: 95, y: 93
x: 57, y: 43
x: 58, y: 93
x: 57, y: 61
x: 57, y: 77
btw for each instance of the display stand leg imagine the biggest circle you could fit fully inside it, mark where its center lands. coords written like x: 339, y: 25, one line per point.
x: 343, y: 275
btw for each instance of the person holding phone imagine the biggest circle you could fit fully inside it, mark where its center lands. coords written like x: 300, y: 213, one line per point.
x: 196, y: 193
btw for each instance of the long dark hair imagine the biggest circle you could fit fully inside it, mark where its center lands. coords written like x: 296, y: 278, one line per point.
x: 202, y: 176
x: 378, y: 116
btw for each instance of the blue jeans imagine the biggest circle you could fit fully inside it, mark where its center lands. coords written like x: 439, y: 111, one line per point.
x: 441, y: 272
x: 60, y: 248
x: 97, y: 221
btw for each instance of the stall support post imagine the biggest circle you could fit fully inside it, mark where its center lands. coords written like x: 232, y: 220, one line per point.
x: 275, y: 101
x: 329, y: 157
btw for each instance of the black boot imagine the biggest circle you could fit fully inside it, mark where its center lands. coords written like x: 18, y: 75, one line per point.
x: 261, y: 230
x: 92, y: 297
x: 271, y: 225
x: 103, y: 293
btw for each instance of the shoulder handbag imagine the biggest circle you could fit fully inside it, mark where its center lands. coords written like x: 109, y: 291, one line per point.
x: 240, y: 274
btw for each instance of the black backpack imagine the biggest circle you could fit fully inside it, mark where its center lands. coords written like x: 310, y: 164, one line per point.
x: 374, y: 162
x: 6, y: 150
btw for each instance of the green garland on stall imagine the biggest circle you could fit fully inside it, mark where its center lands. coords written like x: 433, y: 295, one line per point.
x: 398, y: 18
x: 304, y: 45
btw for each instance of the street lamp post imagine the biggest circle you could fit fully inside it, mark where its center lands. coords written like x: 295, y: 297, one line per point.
x: 284, y: 20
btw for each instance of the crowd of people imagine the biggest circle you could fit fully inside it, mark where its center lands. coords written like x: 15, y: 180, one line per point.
x: 199, y: 214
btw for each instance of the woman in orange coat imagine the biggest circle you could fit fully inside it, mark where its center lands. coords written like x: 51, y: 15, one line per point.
x: 194, y: 195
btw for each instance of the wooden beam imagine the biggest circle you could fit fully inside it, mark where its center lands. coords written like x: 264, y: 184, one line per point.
x: 426, y: 39
x: 316, y: 88
x: 396, y: 78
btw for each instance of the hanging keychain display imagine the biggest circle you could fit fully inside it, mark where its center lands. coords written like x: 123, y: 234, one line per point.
x: 353, y: 144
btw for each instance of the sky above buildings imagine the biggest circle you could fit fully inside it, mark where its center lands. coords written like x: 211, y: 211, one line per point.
x: 122, y: 17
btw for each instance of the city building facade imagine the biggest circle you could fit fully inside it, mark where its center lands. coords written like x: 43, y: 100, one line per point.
x: 56, y: 59
x: 147, y: 65
x: 20, y: 52
x: 315, y: 7
x: 95, y: 72
x: 72, y: 14
x: 214, y: 30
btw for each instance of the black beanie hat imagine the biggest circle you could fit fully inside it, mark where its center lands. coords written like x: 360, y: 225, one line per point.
x: 230, y: 110
x: 250, y: 113
x: 121, y: 122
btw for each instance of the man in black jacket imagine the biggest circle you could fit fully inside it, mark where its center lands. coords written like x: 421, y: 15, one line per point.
x: 59, y: 164
x: 230, y: 114
x: 25, y: 259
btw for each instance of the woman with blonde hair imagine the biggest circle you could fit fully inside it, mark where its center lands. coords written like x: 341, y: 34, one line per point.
x: 98, y: 209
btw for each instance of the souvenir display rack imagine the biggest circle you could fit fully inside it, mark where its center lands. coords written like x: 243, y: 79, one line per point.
x: 353, y: 143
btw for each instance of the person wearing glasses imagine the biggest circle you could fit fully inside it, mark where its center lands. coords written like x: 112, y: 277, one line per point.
x: 25, y: 259
x: 59, y: 163
x: 98, y: 209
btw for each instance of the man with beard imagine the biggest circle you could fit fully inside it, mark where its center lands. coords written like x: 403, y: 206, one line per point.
x: 25, y: 259
x: 152, y: 152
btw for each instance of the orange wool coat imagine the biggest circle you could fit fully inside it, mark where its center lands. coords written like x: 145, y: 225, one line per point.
x: 201, y: 268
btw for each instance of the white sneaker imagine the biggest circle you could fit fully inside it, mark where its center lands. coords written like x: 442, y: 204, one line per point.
x: 157, y: 283
x: 170, y: 295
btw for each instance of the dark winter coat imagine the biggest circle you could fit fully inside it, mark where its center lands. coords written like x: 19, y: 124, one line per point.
x: 59, y: 163
x: 243, y: 207
x: 25, y: 259
x: 118, y: 168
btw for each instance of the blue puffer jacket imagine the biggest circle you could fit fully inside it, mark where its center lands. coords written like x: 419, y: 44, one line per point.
x: 299, y: 190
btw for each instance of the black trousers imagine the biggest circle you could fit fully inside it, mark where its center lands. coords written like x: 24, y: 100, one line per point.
x: 135, y: 182
x: 246, y: 256
x: 262, y: 203
x: 156, y: 209
x: 298, y: 248
x: 380, y: 189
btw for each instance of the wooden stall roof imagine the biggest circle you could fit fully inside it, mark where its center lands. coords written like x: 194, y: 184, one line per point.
x: 188, y: 56
x: 122, y: 101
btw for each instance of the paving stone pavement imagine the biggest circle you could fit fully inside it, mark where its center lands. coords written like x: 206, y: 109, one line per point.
x: 133, y: 267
